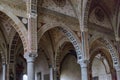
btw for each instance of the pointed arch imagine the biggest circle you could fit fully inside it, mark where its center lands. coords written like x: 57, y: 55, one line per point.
x: 67, y: 31
x: 16, y: 23
x: 108, y: 44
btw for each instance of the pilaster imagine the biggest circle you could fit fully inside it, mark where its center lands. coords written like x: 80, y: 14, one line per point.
x: 32, y: 25
x: 31, y: 53
x: 85, y: 56
x: 85, y: 45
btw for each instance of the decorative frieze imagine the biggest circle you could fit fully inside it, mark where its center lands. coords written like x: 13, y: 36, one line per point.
x: 112, y: 51
x: 75, y: 43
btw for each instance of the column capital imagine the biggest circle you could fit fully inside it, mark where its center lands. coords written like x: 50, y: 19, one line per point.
x: 3, y: 60
x: 30, y: 56
x: 84, y: 63
x: 84, y: 29
x: 117, y: 68
x: 50, y: 66
x: 117, y: 38
x: 33, y: 15
x: 54, y: 68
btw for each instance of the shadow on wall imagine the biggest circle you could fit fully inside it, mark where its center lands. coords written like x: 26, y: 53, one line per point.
x: 70, y: 69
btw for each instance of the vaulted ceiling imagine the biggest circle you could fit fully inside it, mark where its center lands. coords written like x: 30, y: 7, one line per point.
x: 66, y: 7
x: 18, y: 4
x: 101, y: 13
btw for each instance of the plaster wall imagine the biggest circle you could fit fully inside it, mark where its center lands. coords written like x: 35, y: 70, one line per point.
x: 98, y: 70
x: 41, y: 66
x: 70, y: 69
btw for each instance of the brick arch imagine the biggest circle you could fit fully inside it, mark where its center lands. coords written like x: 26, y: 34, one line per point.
x: 58, y: 47
x: 61, y: 41
x: 108, y: 44
x: 69, y: 34
x: 3, y: 43
x: 103, y: 51
x: 59, y: 56
x: 15, y: 41
x: 17, y: 24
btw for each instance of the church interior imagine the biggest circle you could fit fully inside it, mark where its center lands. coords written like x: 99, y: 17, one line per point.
x: 59, y: 39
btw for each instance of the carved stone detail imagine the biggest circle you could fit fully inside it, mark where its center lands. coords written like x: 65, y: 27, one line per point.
x: 112, y: 51
x: 30, y: 57
x: 84, y: 63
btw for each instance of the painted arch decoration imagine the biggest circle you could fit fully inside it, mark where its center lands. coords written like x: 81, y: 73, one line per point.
x: 69, y: 33
x: 17, y: 24
x: 112, y: 51
x: 110, y: 47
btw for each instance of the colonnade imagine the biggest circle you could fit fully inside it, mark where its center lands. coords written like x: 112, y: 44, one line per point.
x: 31, y: 53
x: 4, y: 72
x: 31, y: 70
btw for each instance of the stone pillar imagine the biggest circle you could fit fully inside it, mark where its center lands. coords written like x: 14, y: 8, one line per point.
x: 55, y: 74
x: 51, y: 73
x: 30, y: 58
x: 85, y: 50
x: 84, y: 37
x: 32, y: 38
x: 84, y: 70
x: 3, y: 66
x: 85, y: 46
x: 113, y: 74
x: 56, y: 70
x: 32, y: 45
x: 118, y: 75
x: 4, y: 71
